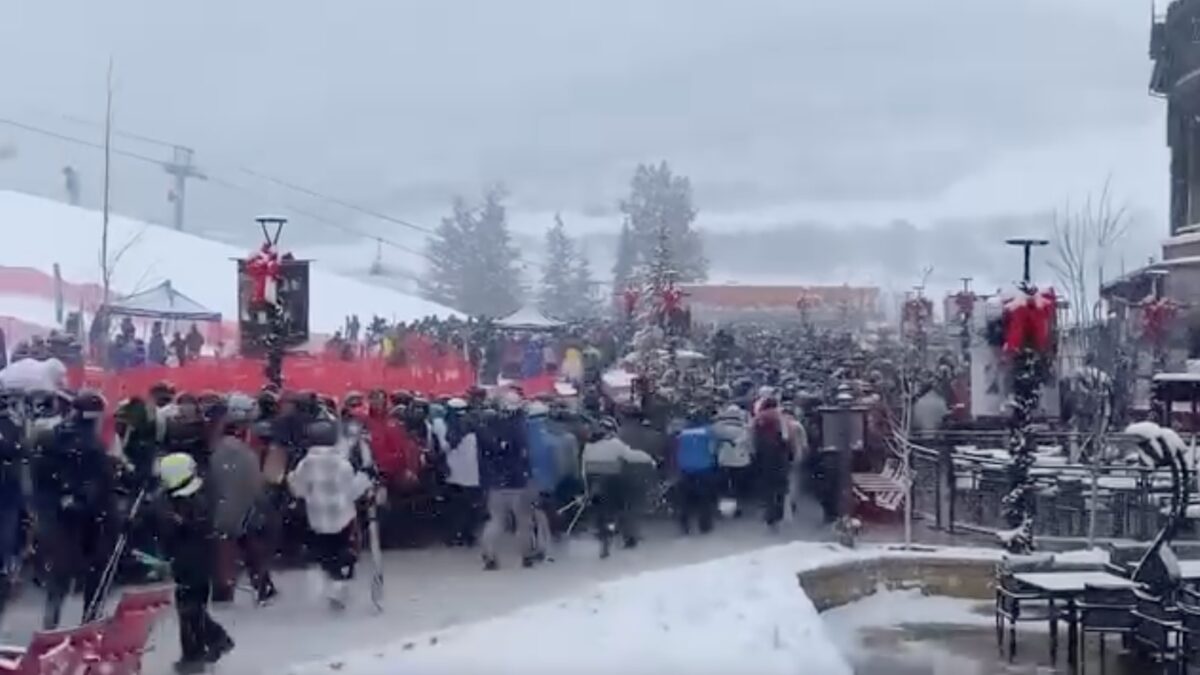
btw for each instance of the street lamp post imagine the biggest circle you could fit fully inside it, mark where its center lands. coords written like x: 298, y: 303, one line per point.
x: 273, y: 339
x: 1028, y: 371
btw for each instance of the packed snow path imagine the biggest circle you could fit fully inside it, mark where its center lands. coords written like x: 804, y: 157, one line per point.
x: 426, y: 590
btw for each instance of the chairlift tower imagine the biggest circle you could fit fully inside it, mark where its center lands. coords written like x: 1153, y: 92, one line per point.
x: 181, y: 168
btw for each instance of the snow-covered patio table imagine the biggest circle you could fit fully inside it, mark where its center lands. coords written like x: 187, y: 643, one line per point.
x: 1067, y: 587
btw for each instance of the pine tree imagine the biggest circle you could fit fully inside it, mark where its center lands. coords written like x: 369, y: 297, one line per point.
x: 583, y: 288
x: 651, y: 341
x: 446, y: 251
x: 557, y: 293
x: 473, y: 265
x: 494, y: 285
x: 626, y: 260
x: 659, y: 201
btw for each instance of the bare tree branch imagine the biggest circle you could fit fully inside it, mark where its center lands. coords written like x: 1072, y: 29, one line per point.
x: 1083, y: 238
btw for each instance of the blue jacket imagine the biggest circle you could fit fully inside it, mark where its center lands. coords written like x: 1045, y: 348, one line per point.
x: 543, y: 460
x: 696, y: 449
x: 503, y: 464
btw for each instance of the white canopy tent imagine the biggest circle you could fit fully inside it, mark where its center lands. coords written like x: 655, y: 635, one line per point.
x: 529, y: 318
x: 162, y: 302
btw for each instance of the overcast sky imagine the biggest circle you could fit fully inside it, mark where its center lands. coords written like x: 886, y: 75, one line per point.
x: 777, y: 109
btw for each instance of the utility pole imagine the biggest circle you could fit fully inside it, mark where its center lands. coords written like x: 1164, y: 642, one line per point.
x: 104, y: 261
x: 181, y: 168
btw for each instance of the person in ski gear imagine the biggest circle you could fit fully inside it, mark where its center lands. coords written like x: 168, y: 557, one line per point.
x: 240, y: 511
x: 189, y: 542
x: 504, y: 475
x: 734, y: 455
x: 463, y: 494
x: 156, y: 349
x: 545, y: 474
x: 13, y: 458
x: 396, y: 455
x: 136, y: 438
x: 774, y: 453
x: 194, y: 343
x: 606, y: 461
x: 696, y: 460
x: 74, y: 484
x: 330, y: 487
x: 798, y: 440
x: 186, y: 430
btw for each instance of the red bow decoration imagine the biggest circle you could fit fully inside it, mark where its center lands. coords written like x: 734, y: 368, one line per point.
x: 671, y: 299
x: 1155, y: 319
x: 1029, y: 321
x: 631, y: 299
x: 965, y: 302
x: 917, y: 310
x: 264, y: 270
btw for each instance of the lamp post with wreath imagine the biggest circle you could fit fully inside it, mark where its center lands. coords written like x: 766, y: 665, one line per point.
x: 272, y: 300
x: 1028, y: 342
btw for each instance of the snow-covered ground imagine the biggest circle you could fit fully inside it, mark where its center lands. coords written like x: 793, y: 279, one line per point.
x: 743, y: 614
x: 41, y: 232
x: 427, y: 590
x: 726, y: 602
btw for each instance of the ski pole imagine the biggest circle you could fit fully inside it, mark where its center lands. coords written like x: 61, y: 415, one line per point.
x: 96, y: 603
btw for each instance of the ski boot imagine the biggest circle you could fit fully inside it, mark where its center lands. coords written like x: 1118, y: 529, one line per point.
x: 266, y: 594
x: 339, y: 592
x: 219, y: 649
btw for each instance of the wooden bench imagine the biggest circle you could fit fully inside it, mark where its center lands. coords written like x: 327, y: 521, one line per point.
x: 886, y: 489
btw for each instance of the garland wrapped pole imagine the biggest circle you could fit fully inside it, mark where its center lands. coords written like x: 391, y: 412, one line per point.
x: 265, y: 270
x: 1029, y: 343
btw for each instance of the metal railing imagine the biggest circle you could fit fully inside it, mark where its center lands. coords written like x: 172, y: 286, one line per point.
x: 956, y: 488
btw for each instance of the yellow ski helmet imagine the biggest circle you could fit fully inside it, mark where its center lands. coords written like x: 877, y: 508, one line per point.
x: 177, y: 471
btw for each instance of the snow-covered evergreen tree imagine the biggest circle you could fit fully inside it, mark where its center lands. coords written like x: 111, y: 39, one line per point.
x: 658, y: 202
x: 495, y: 286
x: 584, y: 298
x: 626, y: 259
x: 446, y: 251
x: 557, y: 296
x: 473, y: 265
x: 651, y: 342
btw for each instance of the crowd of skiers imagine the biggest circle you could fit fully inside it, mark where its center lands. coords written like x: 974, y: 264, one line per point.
x: 201, y: 484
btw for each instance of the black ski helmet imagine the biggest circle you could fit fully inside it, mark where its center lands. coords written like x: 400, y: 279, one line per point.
x: 322, y: 433
x: 89, y: 405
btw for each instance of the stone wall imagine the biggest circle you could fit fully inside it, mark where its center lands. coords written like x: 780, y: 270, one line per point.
x: 836, y: 585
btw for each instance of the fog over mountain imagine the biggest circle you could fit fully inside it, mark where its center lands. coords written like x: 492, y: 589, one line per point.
x: 840, y: 118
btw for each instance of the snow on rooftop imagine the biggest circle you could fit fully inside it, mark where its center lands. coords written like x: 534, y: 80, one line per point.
x: 39, y: 232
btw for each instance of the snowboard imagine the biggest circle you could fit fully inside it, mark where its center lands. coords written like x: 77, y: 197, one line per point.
x: 368, y: 462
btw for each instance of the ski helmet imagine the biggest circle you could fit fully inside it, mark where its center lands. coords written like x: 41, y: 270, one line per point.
x: 89, y: 405
x: 240, y: 409
x: 322, y: 433
x: 177, y: 471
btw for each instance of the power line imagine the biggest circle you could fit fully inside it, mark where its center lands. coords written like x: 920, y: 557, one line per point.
x: 122, y: 134
x: 321, y: 219
x: 334, y: 200
x: 241, y: 188
x: 252, y: 172
x: 72, y: 139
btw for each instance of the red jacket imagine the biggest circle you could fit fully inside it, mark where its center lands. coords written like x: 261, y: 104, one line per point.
x: 394, y: 452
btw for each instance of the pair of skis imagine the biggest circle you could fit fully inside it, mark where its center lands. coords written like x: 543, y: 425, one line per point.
x: 368, y: 462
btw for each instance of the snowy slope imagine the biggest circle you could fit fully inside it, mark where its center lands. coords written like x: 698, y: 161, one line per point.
x: 39, y: 232
x: 742, y: 614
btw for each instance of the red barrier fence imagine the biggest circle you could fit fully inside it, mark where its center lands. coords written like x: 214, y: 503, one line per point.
x: 433, y: 375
